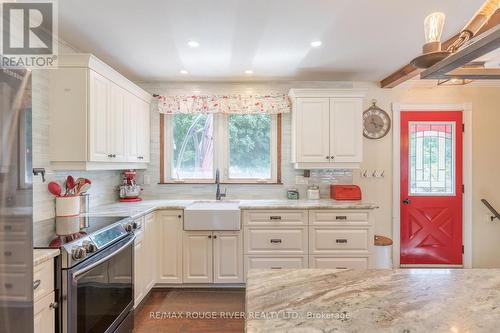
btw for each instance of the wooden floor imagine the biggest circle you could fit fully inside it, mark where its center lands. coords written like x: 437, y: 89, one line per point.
x: 167, y: 310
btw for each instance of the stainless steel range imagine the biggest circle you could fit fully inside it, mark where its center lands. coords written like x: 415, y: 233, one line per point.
x: 95, y: 271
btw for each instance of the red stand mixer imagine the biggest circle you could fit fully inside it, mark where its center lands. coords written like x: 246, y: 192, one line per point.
x: 129, y: 190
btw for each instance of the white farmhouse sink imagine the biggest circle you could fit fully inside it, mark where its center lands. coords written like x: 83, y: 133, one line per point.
x: 212, y: 215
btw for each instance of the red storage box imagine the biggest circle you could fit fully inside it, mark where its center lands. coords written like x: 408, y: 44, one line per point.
x: 345, y: 192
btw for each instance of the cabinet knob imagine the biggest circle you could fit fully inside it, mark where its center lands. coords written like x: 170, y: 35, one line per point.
x: 332, y: 157
x: 179, y: 216
x: 328, y: 157
x: 110, y: 155
x: 215, y: 236
x: 54, y: 305
x: 209, y: 236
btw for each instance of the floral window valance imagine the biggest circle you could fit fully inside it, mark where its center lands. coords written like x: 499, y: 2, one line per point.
x: 242, y: 104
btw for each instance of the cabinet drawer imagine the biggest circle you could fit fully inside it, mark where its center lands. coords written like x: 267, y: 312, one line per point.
x: 326, y: 240
x: 272, y: 262
x: 275, y: 217
x: 14, y: 253
x: 338, y: 263
x: 43, y: 279
x: 275, y: 240
x: 14, y: 287
x: 325, y: 217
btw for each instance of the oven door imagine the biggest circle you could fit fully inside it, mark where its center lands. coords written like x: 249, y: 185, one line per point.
x: 100, y: 291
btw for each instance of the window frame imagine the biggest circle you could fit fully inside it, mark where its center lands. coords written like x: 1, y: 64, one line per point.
x: 221, y: 152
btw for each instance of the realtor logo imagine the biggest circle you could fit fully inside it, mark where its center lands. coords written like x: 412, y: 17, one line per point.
x: 28, y: 34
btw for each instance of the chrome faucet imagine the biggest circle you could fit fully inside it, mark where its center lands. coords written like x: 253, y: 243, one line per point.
x: 218, y: 194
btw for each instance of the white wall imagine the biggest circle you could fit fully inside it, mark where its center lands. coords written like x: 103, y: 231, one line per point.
x: 377, y: 153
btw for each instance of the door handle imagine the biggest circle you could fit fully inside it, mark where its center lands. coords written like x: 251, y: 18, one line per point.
x: 406, y: 201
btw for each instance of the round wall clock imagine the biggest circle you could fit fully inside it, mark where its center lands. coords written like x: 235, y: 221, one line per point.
x: 376, y: 122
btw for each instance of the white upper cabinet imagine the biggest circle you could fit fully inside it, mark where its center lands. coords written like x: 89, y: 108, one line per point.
x: 327, y: 129
x: 313, y: 130
x: 346, y: 128
x: 99, y: 120
x: 99, y: 117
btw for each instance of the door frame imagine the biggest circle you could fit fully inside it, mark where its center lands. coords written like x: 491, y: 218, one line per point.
x: 466, y: 109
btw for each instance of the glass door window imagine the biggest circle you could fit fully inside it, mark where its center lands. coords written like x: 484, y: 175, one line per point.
x: 432, y: 158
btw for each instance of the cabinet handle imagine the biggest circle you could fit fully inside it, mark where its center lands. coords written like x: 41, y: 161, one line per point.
x: 275, y: 241
x: 110, y: 155
x: 275, y: 267
x: 36, y: 284
x: 54, y: 305
x: 341, y: 241
x: 140, y: 157
x: 341, y: 267
x: 342, y: 217
x: 209, y: 236
x: 7, y: 253
x: 275, y: 217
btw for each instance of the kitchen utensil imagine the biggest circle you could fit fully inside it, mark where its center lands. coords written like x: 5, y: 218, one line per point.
x: 55, y: 188
x: 345, y: 192
x: 70, y: 185
x: 313, y: 192
x: 83, y: 189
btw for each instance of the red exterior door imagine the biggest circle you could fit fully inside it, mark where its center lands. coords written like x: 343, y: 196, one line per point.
x: 431, y: 188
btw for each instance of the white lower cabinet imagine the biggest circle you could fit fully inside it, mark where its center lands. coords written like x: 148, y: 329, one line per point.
x: 145, y: 256
x: 197, y: 257
x: 212, y: 257
x: 139, y: 276
x: 274, y: 262
x: 169, y: 244
x: 228, y: 257
x: 44, y: 314
x: 337, y: 262
x: 44, y: 297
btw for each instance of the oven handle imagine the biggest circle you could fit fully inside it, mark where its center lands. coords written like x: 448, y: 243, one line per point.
x: 100, y: 261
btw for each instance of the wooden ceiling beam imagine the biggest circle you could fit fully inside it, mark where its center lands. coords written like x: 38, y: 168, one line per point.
x: 409, y: 71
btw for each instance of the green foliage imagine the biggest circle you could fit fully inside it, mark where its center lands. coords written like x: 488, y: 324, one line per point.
x: 250, y: 141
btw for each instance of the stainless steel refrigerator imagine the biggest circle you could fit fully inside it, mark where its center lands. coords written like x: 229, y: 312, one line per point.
x: 16, y: 202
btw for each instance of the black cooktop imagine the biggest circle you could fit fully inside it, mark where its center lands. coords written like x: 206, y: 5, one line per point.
x: 53, y: 233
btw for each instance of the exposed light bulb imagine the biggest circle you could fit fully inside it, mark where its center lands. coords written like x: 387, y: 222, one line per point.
x: 433, y: 27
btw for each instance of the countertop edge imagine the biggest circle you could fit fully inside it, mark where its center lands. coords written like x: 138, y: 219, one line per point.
x: 42, y: 255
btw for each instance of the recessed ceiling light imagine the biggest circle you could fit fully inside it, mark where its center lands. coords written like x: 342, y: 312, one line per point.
x: 316, y: 43
x: 249, y: 71
x: 193, y: 43
x: 183, y: 71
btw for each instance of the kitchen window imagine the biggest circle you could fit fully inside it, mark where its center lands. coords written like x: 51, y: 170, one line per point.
x: 245, y: 147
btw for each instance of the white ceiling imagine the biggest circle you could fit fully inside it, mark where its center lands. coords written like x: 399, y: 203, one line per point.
x: 362, y: 39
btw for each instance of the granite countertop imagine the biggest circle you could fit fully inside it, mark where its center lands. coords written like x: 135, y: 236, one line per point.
x: 411, y: 300
x: 42, y: 255
x: 136, y: 209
